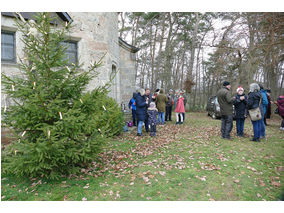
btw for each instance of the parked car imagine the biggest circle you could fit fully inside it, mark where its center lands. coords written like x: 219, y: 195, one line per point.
x: 213, y: 108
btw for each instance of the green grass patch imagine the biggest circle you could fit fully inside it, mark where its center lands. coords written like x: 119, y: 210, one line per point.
x: 184, y: 162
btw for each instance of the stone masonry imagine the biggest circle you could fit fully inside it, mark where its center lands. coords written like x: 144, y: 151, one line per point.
x: 96, y: 35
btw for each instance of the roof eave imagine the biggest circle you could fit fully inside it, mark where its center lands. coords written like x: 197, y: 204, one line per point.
x: 130, y: 47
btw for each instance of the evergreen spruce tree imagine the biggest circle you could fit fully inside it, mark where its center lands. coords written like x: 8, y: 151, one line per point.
x: 58, y: 128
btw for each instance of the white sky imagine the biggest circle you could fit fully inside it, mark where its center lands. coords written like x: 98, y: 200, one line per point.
x: 145, y: 5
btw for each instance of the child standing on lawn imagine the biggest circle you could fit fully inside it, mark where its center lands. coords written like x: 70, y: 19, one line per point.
x: 180, y: 109
x: 152, y: 113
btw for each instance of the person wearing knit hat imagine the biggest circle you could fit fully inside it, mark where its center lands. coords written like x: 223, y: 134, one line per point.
x: 152, y: 118
x: 240, y: 89
x: 169, y: 105
x: 240, y: 104
x: 226, y: 83
x: 226, y: 100
x: 180, y: 109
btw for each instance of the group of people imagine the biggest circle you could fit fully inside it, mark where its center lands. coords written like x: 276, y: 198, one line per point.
x: 153, y: 109
x: 257, y: 104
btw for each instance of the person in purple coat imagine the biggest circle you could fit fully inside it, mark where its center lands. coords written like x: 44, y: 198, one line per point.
x: 280, y: 105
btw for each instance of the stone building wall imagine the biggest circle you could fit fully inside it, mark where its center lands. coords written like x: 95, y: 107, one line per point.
x: 127, y: 75
x: 96, y: 35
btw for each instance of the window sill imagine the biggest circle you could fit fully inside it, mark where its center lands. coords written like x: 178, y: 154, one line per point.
x: 9, y: 64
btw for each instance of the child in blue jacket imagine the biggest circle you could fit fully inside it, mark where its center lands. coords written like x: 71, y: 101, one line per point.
x: 132, y: 106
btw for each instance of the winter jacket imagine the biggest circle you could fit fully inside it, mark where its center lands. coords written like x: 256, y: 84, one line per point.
x: 240, y: 106
x: 184, y: 100
x: 175, y: 100
x: 280, y: 104
x: 264, y: 100
x: 131, y: 104
x: 225, y: 101
x: 254, y: 99
x: 170, y: 100
x: 150, y: 99
x: 152, y: 119
x: 268, y: 111
x: 161, y: 101
x: 141, y: 107
x: 180, y: 105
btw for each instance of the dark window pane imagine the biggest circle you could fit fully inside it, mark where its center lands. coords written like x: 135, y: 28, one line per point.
x: 7, y: 53
x: 72, y: 47
x: 71, y: 58
x: 8, y: 46
x: 7, y: 38
x: 71, y: 51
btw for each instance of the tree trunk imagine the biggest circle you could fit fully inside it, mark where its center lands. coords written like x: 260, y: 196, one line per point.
x: 167, y: 69
x: 158, y: 67
x: 153, y: 56
x: 194, y: 40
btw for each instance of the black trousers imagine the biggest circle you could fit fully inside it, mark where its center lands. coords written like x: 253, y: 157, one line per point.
x: 227, y: 125
x: 168, y: 113
x: 146, y: 123
x: 153, y: 129
x: 282, y: 123
x: 133, y: 117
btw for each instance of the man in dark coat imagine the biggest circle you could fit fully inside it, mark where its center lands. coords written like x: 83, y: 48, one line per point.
x: 225, y: 100
x: 169, y: 105
x: 141, y: 109
x: 148, y: 96
x: 268, y: 110
x: 240, y: 104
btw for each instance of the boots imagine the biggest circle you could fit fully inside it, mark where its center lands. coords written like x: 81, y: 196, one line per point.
x: 255, y: 139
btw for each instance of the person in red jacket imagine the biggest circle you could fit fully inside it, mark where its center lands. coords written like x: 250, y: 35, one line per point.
x: 280, y: 104
x: 180, y: 109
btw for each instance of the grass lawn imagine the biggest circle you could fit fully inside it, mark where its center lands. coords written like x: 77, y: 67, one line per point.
x: 187, y: 162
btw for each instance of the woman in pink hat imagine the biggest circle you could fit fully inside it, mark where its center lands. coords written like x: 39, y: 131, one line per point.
x: 240, y: 104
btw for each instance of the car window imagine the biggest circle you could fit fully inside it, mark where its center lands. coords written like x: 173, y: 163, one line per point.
x: 216, y: 101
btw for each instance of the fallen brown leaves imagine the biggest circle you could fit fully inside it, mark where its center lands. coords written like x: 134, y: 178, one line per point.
x: 275, y: 181
x: 251, y: 168
x: 261, y: 183
x: 201, y: 178
x: 208, y: 166
x: 236, y: 181
x: 118, y: 162
x: 221, y: 157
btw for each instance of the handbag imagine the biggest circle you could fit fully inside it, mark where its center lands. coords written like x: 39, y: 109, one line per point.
x: 255, y: 114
